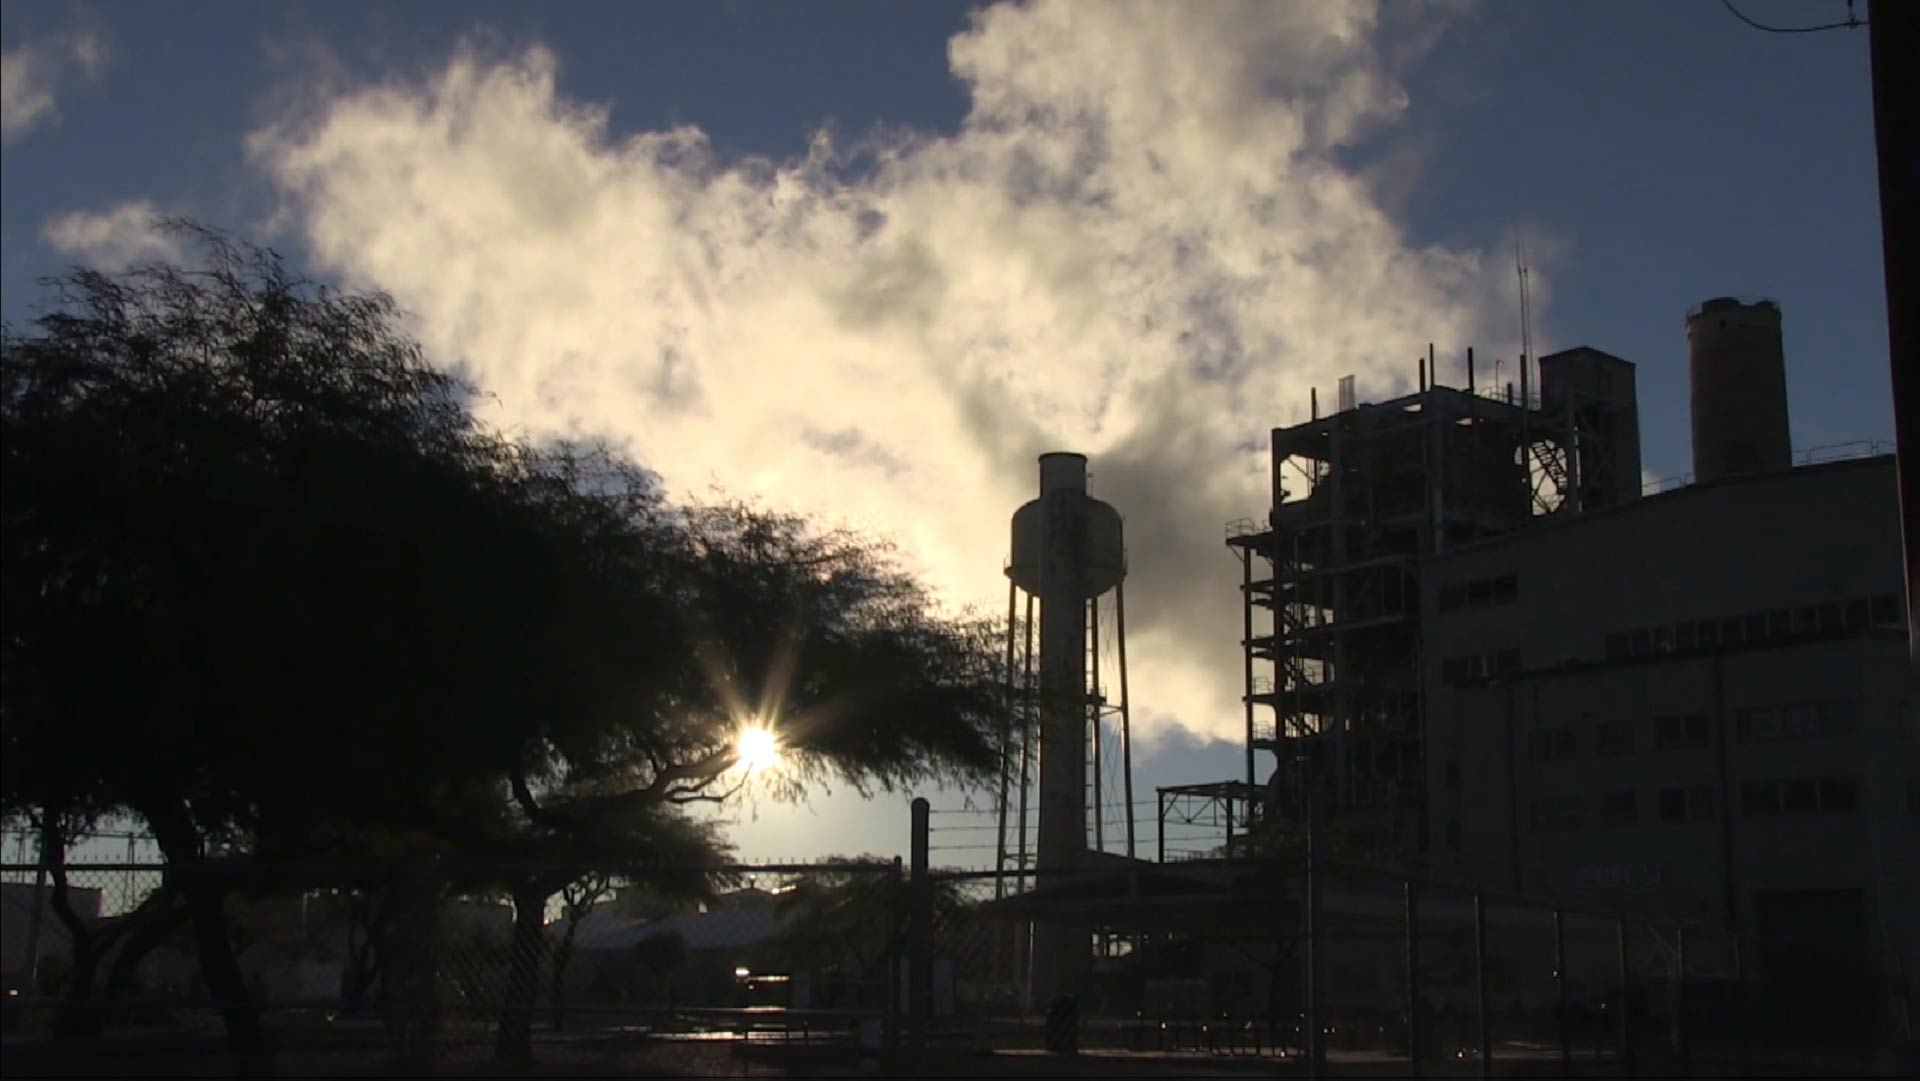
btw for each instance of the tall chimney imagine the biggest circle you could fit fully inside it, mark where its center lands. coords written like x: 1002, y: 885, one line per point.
x: 1739, y: 377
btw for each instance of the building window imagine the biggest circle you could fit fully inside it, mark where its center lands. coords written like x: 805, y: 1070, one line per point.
x: 1552, y: 745
x: 1556, y: 813
x: 1619, y: 809
x: 1613, y: 738
x: 1799, y: 796
x: 1801, y: 720
x: 1859, y: 613
x: 1886, y: 610
x: 1479, y: 592
x: 1693, y: 804
x: 1479, y: 666
x: 1681, y: 732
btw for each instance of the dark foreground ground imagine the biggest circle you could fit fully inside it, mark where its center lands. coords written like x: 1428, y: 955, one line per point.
x: 707, y: 1058
x: 156, y: 1054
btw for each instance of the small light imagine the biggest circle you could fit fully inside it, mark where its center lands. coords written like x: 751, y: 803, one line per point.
x: 741, y: 973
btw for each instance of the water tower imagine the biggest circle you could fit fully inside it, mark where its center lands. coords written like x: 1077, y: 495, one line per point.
x: 1069, y: 558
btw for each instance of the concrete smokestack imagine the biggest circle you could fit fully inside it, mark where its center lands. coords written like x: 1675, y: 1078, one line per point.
x: 1739, y: 377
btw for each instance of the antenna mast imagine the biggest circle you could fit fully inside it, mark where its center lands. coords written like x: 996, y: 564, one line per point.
x: 1526, y: 320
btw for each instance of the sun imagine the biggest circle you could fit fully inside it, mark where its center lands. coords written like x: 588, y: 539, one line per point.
x: 758, y: 748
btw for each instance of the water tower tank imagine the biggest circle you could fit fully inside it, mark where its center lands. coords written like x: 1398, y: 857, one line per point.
x: 1739, y: 377
x: 1103, y: 561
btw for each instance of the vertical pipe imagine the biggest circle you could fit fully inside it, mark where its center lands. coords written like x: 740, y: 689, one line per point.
x: 1313, y: 402
x: 1026, y: 743
x: 1316, y: 1049
x: 1160, y: 798
x: 1126, y: 710
x: 1422, y: 362
x: 1094, y: 710
x: 1560, y: 993
x: 1480, y: 983
x: 1006, y: 749
x: 1228, y: 802
x: 1337, y: 577
x: 1246, y: 648
x: 1433, y: 370
x: 919, y: 941
x: 1472, y: 388
x: 1626, y: 996
x: 1413, y: 977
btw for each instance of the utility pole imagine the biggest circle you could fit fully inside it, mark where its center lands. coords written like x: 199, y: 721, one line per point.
x: 1889, y: 23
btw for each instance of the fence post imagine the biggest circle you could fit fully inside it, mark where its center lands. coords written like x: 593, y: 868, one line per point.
x: 1316, y: 1048
x: 1480, y: 982
x: 919, y: 943
x: 891, y: 1016
x: 1680, y: 997
x: 1740, y: 1000
x: 1626, y: 996
x: 413, y: 1001
x: 1560, y: 993
x: 1413, y: 978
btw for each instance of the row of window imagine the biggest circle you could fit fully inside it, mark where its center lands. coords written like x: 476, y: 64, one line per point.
x: 1679, y: 731
x: 1780, y: 624
x: 1691, y: 731
x: 1478, y: 666
x: 1799, y: 796
x: 1618, y: 810
x: 1801, y: 720
x: 1480, y: 593
x: 1696, y: 803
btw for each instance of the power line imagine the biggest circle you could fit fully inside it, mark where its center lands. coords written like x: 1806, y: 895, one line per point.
x: 1851, y: 23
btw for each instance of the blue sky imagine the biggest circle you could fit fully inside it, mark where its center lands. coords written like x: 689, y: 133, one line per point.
x: 1140, y: 233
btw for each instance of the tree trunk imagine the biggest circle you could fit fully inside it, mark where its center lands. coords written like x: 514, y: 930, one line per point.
x: 78, y: 1018
x: 151, y: 934
x: 180, y: 843
x: 246, y: 1037
x: 515, y: 1038
x: 561, y: 956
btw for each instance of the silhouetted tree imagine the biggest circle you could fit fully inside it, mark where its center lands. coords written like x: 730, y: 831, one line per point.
x: 271, y: 590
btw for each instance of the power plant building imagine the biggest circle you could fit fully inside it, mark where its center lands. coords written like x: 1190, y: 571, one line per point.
x: 1470, y: 637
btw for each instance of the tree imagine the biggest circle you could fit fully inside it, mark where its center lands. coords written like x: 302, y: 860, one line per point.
x: 298, y: 602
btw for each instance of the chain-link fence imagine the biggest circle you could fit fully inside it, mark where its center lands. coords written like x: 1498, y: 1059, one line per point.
x: 1151, y: 969
x: 367, y: 970
x: 1185, y: 966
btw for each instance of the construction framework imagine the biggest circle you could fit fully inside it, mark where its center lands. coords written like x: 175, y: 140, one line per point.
x: 1331, y: 587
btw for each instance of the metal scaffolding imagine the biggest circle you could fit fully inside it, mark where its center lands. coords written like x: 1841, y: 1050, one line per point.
x: 1331, y: 587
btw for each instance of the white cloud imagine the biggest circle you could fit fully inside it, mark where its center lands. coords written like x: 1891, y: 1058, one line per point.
x: 31, y: 73
x: 112, y: 240
x: 1140, y: 245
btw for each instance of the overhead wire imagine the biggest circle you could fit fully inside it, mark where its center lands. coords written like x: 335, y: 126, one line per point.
x: 1852, y: 22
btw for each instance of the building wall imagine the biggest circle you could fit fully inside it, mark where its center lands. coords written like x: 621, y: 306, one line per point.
x: 1635, y: 621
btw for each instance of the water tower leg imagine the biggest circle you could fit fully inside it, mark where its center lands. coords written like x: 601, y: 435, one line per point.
x: 1126, y: 721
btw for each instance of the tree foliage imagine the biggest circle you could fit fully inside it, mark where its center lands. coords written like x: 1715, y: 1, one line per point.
x: 270, y: 589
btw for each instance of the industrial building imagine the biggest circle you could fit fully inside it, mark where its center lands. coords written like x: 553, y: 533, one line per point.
x: 1470, y: 638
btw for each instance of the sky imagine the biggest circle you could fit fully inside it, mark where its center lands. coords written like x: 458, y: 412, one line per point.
x: 867, y: 260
